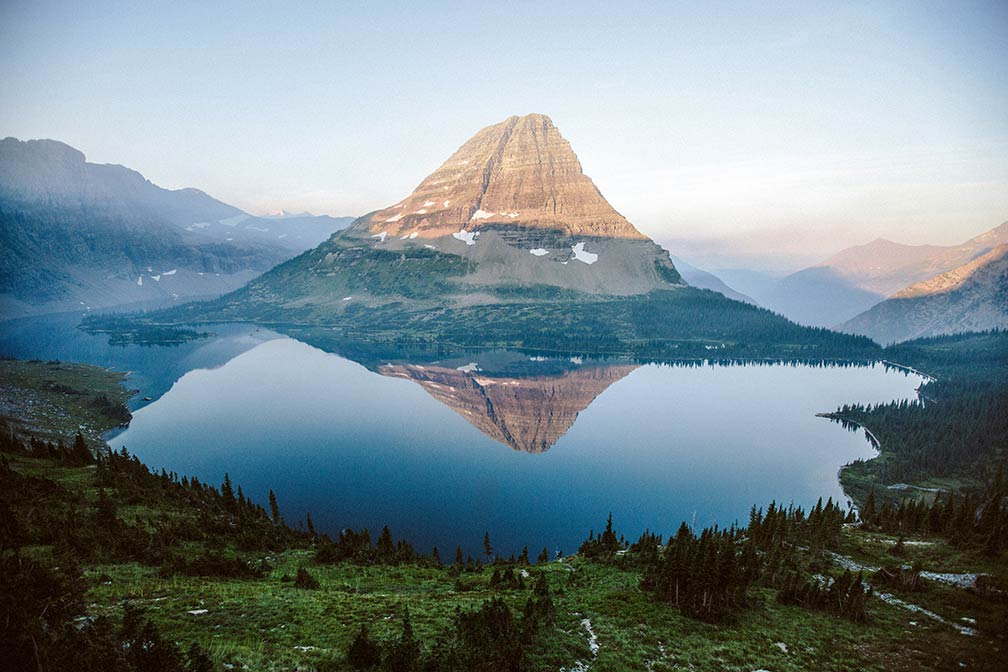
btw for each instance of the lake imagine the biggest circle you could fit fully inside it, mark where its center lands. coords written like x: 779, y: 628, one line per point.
x: 535, y: 449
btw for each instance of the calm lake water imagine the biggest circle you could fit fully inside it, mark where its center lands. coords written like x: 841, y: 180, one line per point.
x: 535, y: 450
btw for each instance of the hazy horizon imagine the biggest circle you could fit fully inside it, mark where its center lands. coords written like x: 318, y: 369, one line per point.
x: 796, y: 130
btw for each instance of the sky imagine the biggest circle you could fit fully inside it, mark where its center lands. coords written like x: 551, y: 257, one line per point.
x: 787, y: 129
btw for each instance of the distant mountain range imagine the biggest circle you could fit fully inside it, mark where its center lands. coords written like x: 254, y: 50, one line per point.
x: 971, y: 297
x: 508, y: 223
x: 79, y: 235
x: 855, y: 279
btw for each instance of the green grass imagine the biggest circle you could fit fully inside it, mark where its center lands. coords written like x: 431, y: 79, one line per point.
x: 269, y: 624
x: 54, y: 400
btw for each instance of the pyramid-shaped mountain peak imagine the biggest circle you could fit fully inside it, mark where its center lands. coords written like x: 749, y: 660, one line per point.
x: 520, y: 172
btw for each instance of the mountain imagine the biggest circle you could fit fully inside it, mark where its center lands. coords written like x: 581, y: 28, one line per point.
x: 698, y: 277
x: 748, y: 281
x: 508, y: 216
x: 885, y: 267
x: 508, y: 244
x: 82, y: 235
x: 819, y: 296
x: 855, y: 279
x: 972, y: 297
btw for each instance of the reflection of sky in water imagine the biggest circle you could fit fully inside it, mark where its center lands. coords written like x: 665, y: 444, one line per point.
x: 356, y: 448
x: 152, y: 369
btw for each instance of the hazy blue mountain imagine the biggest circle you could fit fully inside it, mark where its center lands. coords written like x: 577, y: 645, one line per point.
x: 818, y: 297
x: 698, y: 277
x: 83, y: 235
x: 749, y: 282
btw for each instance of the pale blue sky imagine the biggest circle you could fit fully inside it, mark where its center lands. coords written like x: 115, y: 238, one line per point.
x: 842, y: 122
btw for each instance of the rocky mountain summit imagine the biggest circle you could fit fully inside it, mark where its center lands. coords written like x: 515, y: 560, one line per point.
x: 520, y: 173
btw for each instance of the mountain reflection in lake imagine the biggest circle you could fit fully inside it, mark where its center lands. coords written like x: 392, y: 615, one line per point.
x: 421, y: 447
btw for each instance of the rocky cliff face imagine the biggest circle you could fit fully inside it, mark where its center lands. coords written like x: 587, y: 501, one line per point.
x: 527, y: 414
x: 518, y: 173
x: 972, y: 297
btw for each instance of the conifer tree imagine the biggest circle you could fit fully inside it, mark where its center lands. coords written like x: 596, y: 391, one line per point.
x: 385, y: 547
x: 274, y: 507
x: 80, y: 453
x: 363, y: 653
x: 404, y: 654
x: 227, y: 492
x: 868, y: 513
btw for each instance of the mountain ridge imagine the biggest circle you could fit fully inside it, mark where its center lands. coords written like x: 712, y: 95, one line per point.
x: 850, y: 282
x: 971, y: 297
x: 78, y: 235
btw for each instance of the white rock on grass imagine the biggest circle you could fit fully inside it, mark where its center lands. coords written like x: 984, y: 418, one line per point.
x: 953, y: 579
x: 592, y: 638
x: 895, y: 601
